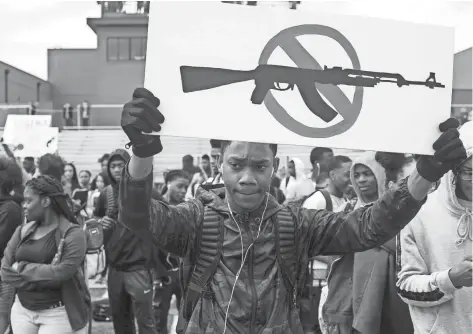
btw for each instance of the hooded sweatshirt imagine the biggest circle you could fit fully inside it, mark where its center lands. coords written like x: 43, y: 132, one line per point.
x: 361, y: 286
x: 436, y: 240
x: 377, y: 308
x: 123, y: 249
x: 298, y: 186
x: 368, y: 159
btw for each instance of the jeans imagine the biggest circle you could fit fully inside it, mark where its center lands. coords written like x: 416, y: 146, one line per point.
x: 131, y: 294
x: 52, y: 321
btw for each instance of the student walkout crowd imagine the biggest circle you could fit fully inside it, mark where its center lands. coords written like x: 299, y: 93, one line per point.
x: 381, y: 244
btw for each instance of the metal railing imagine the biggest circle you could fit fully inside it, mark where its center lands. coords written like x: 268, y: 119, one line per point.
x: 124, y: 7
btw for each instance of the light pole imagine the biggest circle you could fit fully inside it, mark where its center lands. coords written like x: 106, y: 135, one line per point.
x: 38, y: 91
x: 6, y: 72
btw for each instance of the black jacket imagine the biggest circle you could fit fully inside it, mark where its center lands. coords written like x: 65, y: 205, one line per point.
x: 122, y: 248
x: 10, y: 219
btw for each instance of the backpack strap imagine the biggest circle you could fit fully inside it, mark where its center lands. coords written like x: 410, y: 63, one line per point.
x: 287, y: 180
x: 328, y: 199
x: 208, y: 250
x: 287, y: 250
x: 110, y: 199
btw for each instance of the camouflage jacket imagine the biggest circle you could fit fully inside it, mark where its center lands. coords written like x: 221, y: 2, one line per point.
x: 260, y: 302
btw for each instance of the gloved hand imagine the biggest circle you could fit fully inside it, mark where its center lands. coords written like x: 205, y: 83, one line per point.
x: 142, y: 115
x: 449, y: 151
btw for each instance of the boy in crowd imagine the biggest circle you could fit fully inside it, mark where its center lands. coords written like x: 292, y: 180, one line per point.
x: 130, y: 282
x: 167, y: 265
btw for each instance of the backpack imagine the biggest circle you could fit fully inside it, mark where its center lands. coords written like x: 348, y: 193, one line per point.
x: 93, y: 228
x: 95, y: 238
x: 197, y: 269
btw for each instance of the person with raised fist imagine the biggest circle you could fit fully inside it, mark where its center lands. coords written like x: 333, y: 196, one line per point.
x: 244, y: 256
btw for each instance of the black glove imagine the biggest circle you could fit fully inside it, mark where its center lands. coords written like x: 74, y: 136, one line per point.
x: 142, y: 115
x: 449, y: 151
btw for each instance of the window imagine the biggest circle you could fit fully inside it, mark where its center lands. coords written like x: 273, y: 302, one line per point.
x: 138, y: 48
x: 126, y: 48
x: 123, y: 49
x: 112, y: 49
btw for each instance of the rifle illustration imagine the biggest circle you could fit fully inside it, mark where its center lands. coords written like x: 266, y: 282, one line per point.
x: 268, y: 77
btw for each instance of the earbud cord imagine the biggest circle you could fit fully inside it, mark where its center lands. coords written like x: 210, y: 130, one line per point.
x: 243, y: 257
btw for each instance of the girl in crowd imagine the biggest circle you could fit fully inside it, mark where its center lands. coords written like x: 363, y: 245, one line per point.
x: 101, y: 181
x: 44, y: 262
x: 362, y: 296
x: 70, y: 180
x: 84, y: 179
x: 10, y: 219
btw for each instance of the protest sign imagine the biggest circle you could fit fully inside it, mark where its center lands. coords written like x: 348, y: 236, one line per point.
x: 30, y: 136
x: 298, y: 77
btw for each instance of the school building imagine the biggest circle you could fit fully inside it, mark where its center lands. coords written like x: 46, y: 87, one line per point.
x: 108, y: 74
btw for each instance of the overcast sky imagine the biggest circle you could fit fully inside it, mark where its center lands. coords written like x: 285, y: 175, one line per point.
x: 29, y: 28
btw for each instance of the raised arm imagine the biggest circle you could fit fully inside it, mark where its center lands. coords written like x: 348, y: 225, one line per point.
x: 330, y: 233
x: 171, y: 228
x: 338, y: 233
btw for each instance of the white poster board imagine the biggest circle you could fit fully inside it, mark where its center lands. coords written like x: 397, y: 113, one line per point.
x: 344, y: 111
x: 30, y: 136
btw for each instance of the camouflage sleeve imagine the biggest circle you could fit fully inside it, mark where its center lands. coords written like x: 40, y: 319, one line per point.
x: 171, y: 228
x: 329, y: 233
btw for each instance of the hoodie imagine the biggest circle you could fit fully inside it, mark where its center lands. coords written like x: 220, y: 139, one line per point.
x: 122, y: 248
x: 362, y: 286
x: 368, y: 159
x: 436, y: 240
x: 299, y: 186
x: 377, y: 308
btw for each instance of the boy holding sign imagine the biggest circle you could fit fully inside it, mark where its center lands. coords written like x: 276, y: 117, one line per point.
x: 244, y: 255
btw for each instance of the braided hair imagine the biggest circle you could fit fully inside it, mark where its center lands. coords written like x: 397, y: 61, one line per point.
x: 48, y: 186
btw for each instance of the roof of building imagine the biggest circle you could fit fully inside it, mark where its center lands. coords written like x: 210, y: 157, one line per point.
x: 4, y: 64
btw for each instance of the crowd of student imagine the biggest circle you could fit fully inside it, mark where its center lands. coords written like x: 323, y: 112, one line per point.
x: 377, y: 245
